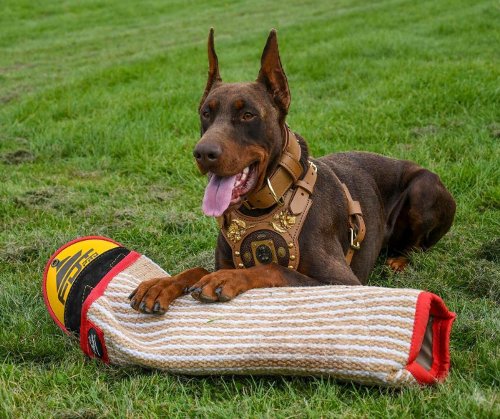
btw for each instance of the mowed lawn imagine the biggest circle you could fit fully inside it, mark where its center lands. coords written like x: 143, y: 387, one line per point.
x: 98, y: 119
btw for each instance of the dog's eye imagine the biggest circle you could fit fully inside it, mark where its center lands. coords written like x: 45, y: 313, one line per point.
x: 247, y: 116
x: 205, y: 114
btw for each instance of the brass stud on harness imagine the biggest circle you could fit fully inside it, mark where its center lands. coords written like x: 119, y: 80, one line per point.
x: 290, y: 245
x: 240, y: 265
x: 292, y: 257
x: 236, y: 253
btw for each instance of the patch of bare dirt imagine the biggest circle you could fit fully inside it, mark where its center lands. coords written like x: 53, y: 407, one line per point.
x: 18, y: 157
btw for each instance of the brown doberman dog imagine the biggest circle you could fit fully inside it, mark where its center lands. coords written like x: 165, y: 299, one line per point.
x: 244, y: 143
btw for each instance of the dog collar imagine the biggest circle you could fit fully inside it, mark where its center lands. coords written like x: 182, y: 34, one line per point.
x: 287, y: 174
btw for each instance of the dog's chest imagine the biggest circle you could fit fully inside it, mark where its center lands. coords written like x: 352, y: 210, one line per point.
x: 272, y: 238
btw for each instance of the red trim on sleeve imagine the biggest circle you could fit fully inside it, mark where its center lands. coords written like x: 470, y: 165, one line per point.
x: 429, y: 304
x: 99, y: 289
x: 47, y: 266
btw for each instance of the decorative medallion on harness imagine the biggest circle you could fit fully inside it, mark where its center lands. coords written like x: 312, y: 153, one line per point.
x: 283, y: 220
x: 262, y: 247
x: 236, y: 230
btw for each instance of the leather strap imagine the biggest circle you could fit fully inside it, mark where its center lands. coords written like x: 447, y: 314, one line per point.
x: 357, y: 228
x: 304, y: 188
x: 286, y: 174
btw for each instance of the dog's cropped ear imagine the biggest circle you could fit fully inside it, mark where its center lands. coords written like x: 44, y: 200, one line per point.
x: 213, y: 68
x: 272, y: 74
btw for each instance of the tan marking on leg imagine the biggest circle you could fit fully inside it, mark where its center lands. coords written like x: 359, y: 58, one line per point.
x: 397, y: 264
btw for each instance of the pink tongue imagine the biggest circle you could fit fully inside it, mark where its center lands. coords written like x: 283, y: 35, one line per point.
x: 218, y: 195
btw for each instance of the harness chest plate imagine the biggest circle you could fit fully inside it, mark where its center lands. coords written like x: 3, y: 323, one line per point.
x: 273, y: 237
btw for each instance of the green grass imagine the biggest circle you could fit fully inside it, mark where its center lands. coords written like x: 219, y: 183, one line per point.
x: 97, y: 121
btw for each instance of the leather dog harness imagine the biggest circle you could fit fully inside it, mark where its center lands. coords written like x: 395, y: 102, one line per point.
x: 274, y: 237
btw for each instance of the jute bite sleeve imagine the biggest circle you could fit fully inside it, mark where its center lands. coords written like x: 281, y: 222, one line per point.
x: 372, y: 335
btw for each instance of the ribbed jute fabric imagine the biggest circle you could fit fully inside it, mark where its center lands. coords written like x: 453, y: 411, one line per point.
x: 352, y: 333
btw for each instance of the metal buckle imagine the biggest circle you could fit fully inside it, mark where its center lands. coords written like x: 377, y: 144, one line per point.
x: 354, y: 240
x: 279, y: 201
x: 313, y: 166
x: 245, y: 202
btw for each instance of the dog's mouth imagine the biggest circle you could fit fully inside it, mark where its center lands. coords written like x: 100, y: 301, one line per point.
x: 225, y: 191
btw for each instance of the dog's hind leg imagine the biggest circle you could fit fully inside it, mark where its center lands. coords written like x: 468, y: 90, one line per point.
x: 423, y: 214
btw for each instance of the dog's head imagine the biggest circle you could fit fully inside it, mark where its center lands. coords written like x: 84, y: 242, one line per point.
x: 242, y: 129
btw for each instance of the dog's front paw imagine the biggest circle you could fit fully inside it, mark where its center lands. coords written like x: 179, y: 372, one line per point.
x: 222, y: 285
x: 155, y: 295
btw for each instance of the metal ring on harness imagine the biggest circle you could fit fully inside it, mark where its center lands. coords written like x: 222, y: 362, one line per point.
x: 355, y: 244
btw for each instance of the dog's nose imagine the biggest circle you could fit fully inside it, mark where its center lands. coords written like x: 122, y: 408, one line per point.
x: 207, y: 154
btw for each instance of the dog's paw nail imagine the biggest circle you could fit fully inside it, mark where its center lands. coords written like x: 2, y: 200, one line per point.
x: 224, y: 298
x: 191, y: 289
x: 132, y: 294
x: 205, y: 299
x: 156, y: 307
x: 218, y: 290
x: 142, y: 306
x: 132, y: 304
x: 196, y: 290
